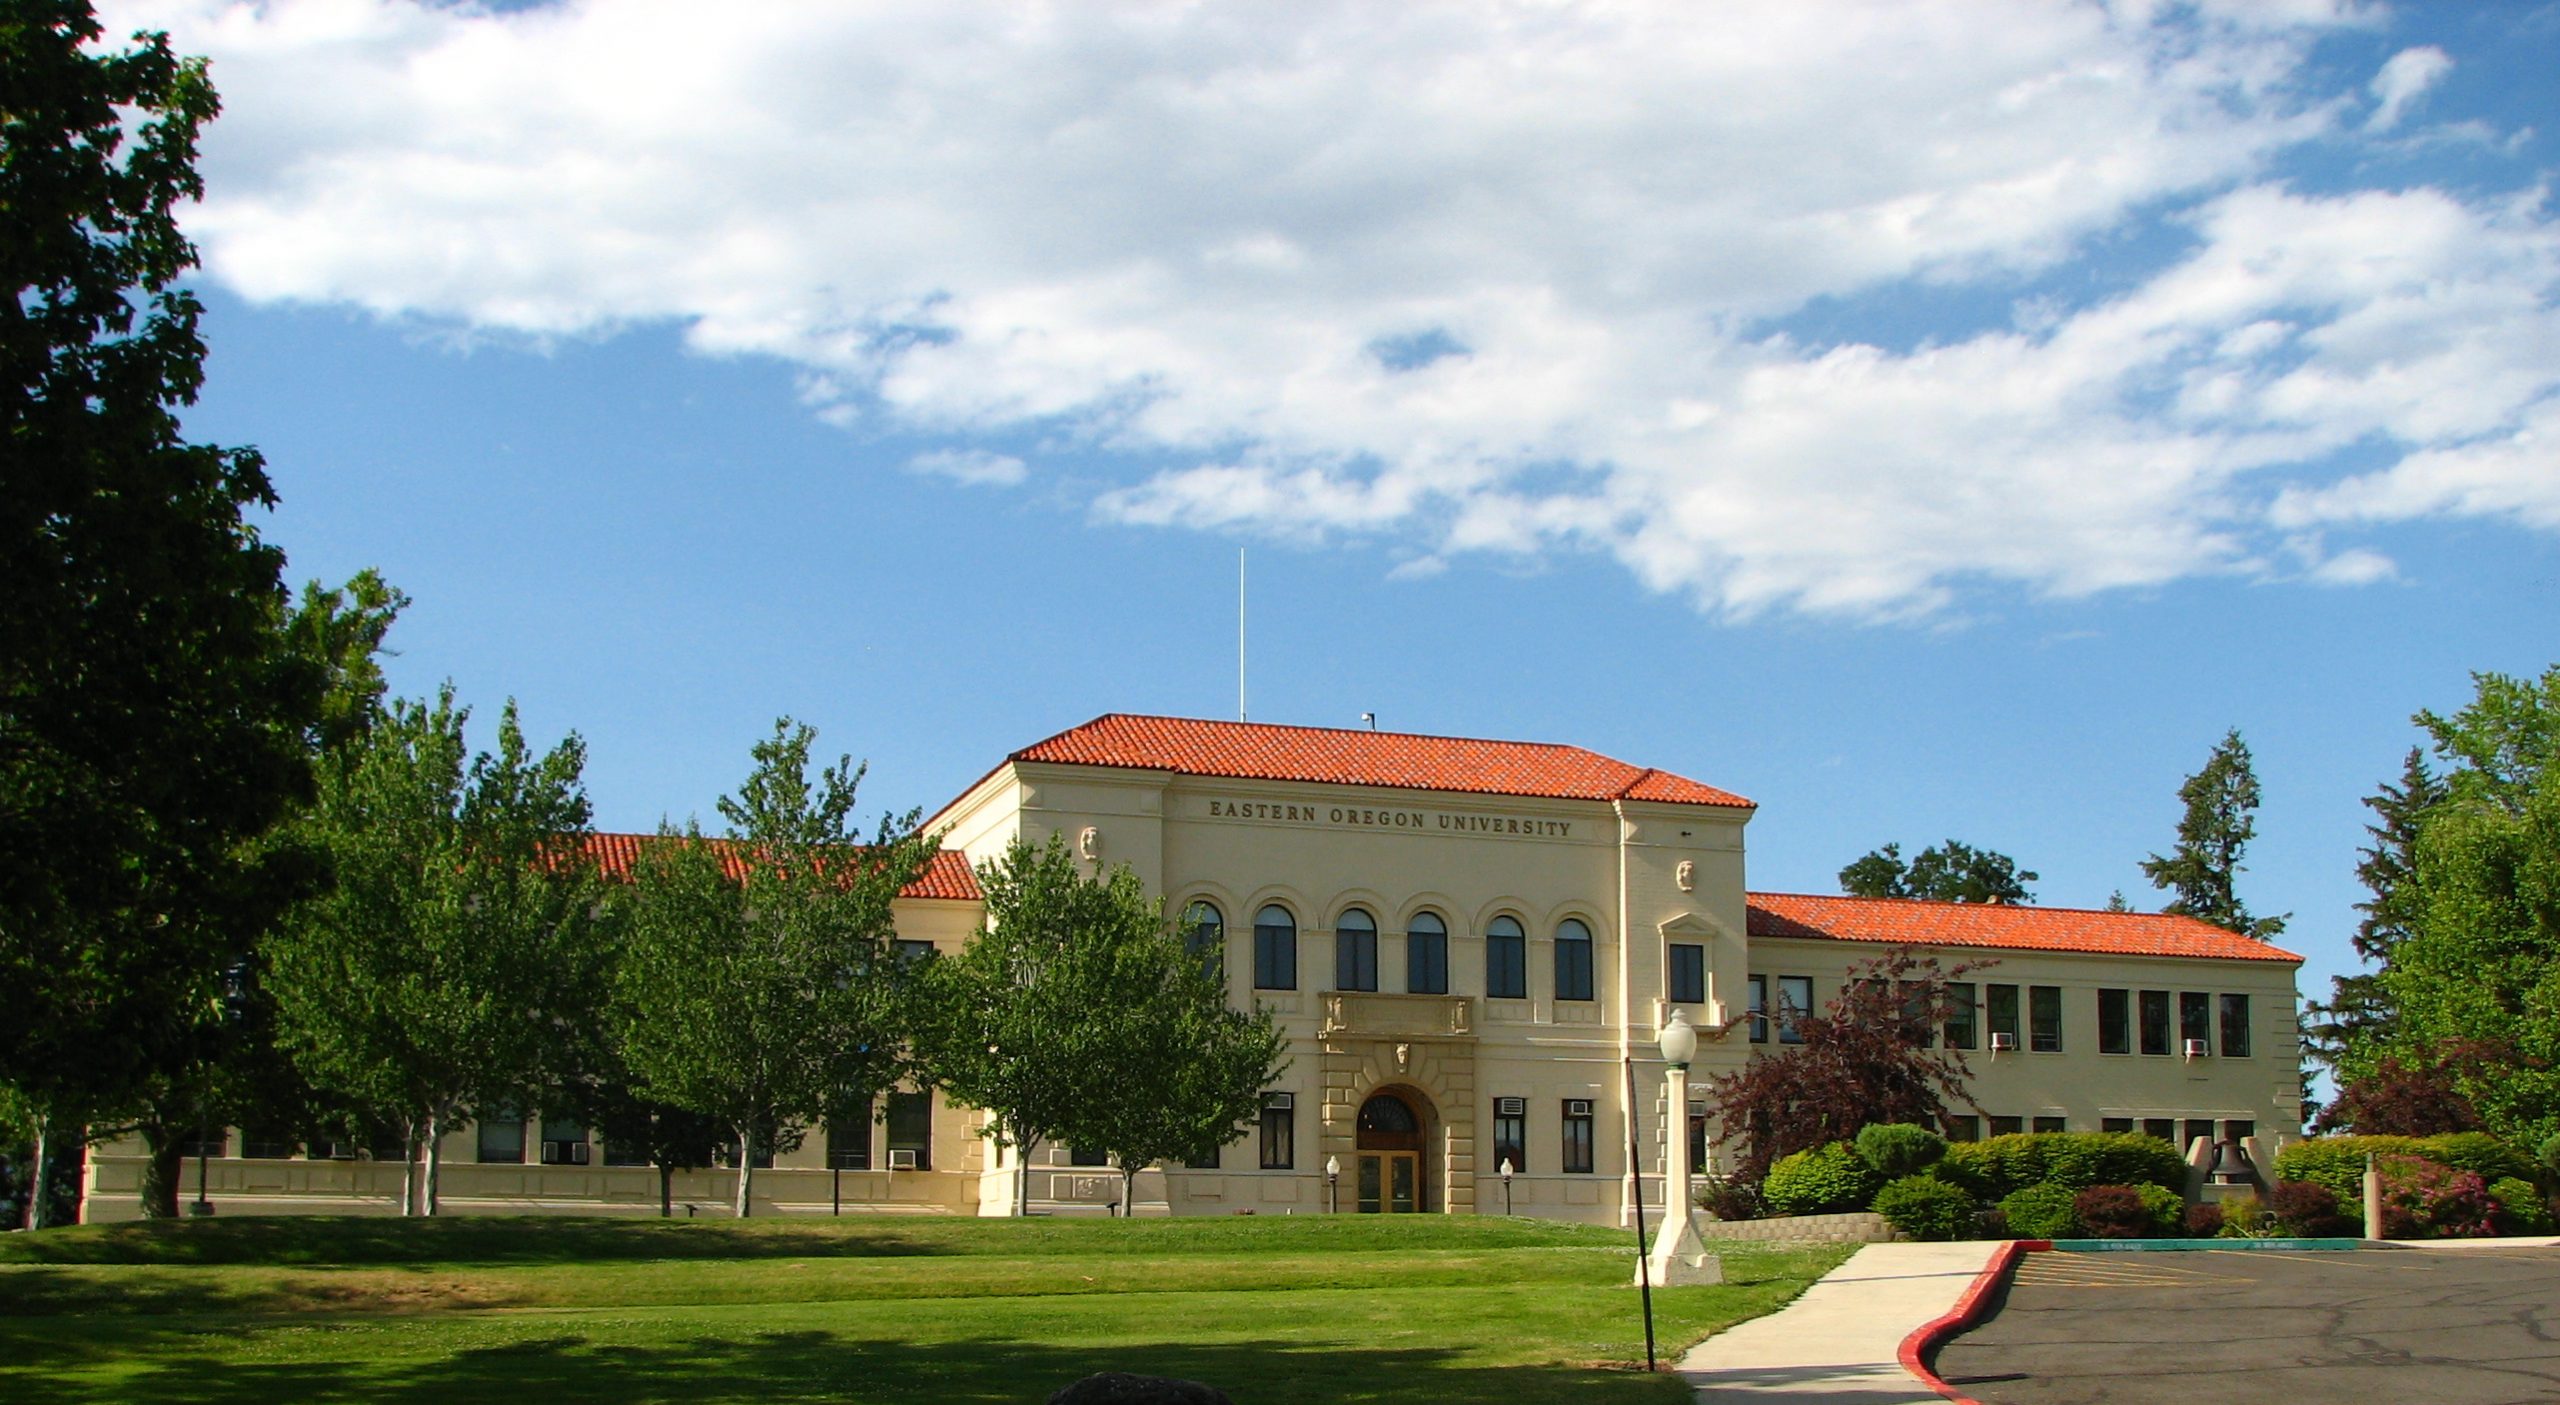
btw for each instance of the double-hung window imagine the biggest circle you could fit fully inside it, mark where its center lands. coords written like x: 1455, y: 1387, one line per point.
x: 2235, y: 1026
x: 1279, y: 1131
x: 1275, y: 949
x: 2115, y: 1022
x: 1577, y: 1136
x: 1426, y: 955
x: 1688, y: 973
x: 1573, y: 960
x: 2044, y: 1019
x: 1795, y: 1001
x: 1355, y: 951
x: 1758, y: 1015
x: 1506, y: 959
x: 2154, y: 1006
x: 1964, y: 1029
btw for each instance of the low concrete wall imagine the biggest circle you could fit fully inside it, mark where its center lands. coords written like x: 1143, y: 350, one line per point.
x: 1864, y: 1227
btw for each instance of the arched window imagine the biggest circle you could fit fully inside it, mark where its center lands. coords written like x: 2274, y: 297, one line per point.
x: 1205, y: 932
x: 1573, y: 960
x: 1275, y: 949
x: 1426, y: 955
x: 1355, y: 951
x: 1506, y: 959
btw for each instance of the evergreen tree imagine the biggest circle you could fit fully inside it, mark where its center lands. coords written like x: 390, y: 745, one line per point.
x: 2221, y: 818
x: 2359, y: 1014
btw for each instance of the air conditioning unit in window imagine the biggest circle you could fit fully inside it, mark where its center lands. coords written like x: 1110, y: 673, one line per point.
x: 564, y: 1153
x: 1280, y: 1102
x: 2197, y: 1048
x: 1577, y: 1107
x: 1510, y: 1107
x: 902, y: 1158
x: 2003, y: 1041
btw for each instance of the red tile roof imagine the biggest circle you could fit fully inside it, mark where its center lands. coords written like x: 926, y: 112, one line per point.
x: 946, y: 876
x: 1343, y: 756
x: 1894, y: 920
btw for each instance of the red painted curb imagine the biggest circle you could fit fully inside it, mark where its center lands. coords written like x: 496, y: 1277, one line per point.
x: 1925, y: 1339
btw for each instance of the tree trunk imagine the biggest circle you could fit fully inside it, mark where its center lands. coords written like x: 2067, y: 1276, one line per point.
x: 162, y: 1168
x: 435, y: 1159
x: 409, y: 1168
x: 666, y: 1190
x: 746, y: 1173
x: 1022, y: 1146
x: 1128, y: 1191
x: 39, y: 1196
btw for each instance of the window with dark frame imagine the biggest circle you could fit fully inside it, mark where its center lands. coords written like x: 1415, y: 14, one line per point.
x: 1206, y: 934
x: 1275, y: 949
x: 2165, y: 1128
x: 2115, y: 1124
x: 2007, y: 1126
x: 1205, y: 1161
x: 2238, y: 1129
x: 2115, y: 1022
x: 564, y: 1143
x: 1757, y: 1017
x: 1916, y: 1027
x: 849, y: 1136
x: 2154, y: 1006
x: 910, y: 952
x: 1795, y: 1001
x: 1426, y: 955
x: 911, y: 1127
x: 265, y: 1144
x: 2196, y: 1127
x: 1576, y: 1156
x: 1080, y: 1156
x: 2195, y: 1019
x: 2235, y: 1026
x: 2048, y: 1124
x: 212, y: 1141
x: 1279, y: 1131
x: 1962, y: 1127
x: 2000, y: 1005
x: 1511, y: 1133
x: 501, y: 1141
x: 1963, y: 1017
x: 1355, y: 950
x: 1687, y: 973
x: 2044, y: 1019
x: 1573, y: 960
x: 1506, y: 959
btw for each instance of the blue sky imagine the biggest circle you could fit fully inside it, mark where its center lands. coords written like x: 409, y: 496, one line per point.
x: 1928, y: 420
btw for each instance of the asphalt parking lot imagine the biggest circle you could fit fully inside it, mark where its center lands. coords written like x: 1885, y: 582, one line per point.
x: 2447, y: 1327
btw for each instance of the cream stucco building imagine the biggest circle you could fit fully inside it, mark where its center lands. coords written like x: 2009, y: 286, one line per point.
x: 1466, y: 942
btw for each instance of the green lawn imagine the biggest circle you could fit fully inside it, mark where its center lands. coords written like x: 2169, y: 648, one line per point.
x: 1277, y: 1311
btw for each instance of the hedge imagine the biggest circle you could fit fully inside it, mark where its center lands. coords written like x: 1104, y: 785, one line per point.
x: 1994, y: 1168
x: 2338, y: 1162
x: 2045, y: 1211
x: 1826, y: 1180
x: 1927, y: 1209
x: 1899, y: 1149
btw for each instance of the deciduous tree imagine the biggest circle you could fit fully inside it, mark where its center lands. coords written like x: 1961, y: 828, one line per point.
x: 757, y: 980
x: 1951, y: 872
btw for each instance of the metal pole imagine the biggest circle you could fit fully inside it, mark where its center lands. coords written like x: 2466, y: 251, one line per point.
x: 1635, y: 1184
x: 838, y: 1207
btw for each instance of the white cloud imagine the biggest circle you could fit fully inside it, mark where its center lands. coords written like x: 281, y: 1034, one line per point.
x: 975, y: 467
x: 1190, y: 231
x: 2403, y: 80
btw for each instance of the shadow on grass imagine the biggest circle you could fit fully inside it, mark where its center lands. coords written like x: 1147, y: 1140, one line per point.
x: 805, y: 1365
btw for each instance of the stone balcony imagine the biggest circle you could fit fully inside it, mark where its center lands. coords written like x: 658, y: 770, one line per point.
x: 1364, y: 1014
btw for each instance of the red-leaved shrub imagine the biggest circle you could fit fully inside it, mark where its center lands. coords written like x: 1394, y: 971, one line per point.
x: 2204, y: 1221
x: 2424, y: 1200
x: 2310, y: 1210
x: 2112, y: 1212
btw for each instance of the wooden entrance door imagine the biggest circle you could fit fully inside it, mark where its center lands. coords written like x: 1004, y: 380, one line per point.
x: 1390, y: 1182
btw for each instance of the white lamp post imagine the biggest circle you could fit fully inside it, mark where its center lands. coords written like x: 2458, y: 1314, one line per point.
x: 1333, y: 1184
x: 1679, y: 1257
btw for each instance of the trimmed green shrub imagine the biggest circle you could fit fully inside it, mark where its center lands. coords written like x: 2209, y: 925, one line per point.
x: 1894, y: 1150
x: 2424, y: 1199
x: 2551, y: 1160
x: 2338, y: 1162
x: 2520, y: 1207
x: 2309, y: 1209
x: 2168, y: 1208
x: 2042, y: 1211
x: 2244, y: 1217
x: 1993, y: 1168
x: 1927, y: 1209
x: 1823, y: 1181
x: 2485, y: 1156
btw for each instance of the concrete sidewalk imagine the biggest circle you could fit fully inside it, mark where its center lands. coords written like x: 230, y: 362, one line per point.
x: 1840, y: 1342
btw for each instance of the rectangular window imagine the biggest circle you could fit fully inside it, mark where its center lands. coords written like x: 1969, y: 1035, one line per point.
x: 2164, y: 1128
x: 911, y: 1129
x: 502, y: 1141
x: 1963, y: 1018
x: 1511, y: 1133
x: 1355, y: 958
x: 1426, y: 960
x: 1573, y: 962
x: 564, y: 1143
x: 1275, y: 952
x: 213, y: 1141
x: 2007, y: 1126
x: 911, y: 952
x: 1697, y: 1136
x: 1688, y: 973
x: 849, y: 1136
x: 2115, y: 1124
x: 1915, y: 1008
x: 2235, y: 1026
x: 1078, y: 1156
x: 1962, y: 1127
x: 1506, y: 961
x: 1577, y: 1135
x: 2002, y: 1007
x: 2238, y: 1129
x: 2115, y: 1022
x: 1279, y: 1131
x: 1795, y: 1001
x: 1757, y: 1017
x: 2048, y: 1124
x: 2155, y: 1021
x: 2196, y: 1127
x: 1205, y: 1161
x: 2195, y: 1019
x: 265, y: 1144
x: 2044, y: 1018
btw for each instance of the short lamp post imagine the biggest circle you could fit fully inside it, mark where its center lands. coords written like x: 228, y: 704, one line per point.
x: 1679, y: 1256
x: 1506, y: 1185
x: 1333, y: 1184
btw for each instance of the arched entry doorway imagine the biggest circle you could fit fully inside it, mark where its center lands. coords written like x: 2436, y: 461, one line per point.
x: 1389, y: 1147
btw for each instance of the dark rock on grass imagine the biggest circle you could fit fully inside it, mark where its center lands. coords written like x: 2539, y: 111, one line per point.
x: 1122, y: 1388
